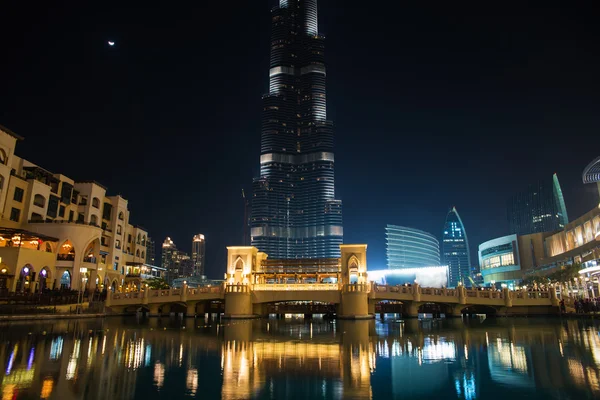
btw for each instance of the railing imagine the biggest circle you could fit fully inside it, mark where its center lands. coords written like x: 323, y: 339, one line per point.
x: 237, y: 288
x: 65, y: 257
x: 393, y: 289
x: 212, y: 289
x: 356, y: 287
x: 295, y: 286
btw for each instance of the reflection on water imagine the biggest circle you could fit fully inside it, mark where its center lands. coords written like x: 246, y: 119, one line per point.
x: 175, y: 358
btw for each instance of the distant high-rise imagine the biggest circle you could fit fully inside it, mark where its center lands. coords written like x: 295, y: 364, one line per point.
x: 455, y: 250
x: 411, y: 248
x: 169, y: 260
x: 539, y: 208
x: 150, y: 252
x: 294, y: 210
x: 198, y: 252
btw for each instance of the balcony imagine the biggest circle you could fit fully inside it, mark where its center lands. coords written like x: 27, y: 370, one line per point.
x: 65, y: 257
x: 56, y: 221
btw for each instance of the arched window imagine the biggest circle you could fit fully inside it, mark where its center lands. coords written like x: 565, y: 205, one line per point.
x: 128, y: 250
x: 66, y: 252
x: 144, y: 240
x: 3, y: 157
x: 43, y: 278
x: 96, y: 202
x: 94, y: 220
x: 65, y: 280
x: 1, y: 182
x: 239, y: 265
x: 39, y: 200
x: 48, y: 248
x: 119, y: 229
x: 143, y: 255
x: 138, y: 239
x: 137, y: 253
x: 121, y: 216
x: 36, y: 217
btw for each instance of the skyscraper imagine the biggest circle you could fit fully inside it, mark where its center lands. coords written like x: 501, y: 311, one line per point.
x: 294, y: 210
x: 169, y: 260
x: 198, y: 250
x: 150, y: 251
x: 539, y: 208
x: 455, y: 250
x: 411, y: 248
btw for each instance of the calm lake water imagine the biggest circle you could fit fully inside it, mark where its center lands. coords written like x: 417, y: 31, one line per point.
x: 176, y: 358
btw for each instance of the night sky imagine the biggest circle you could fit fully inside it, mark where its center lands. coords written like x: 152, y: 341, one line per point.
x: 459, y: 104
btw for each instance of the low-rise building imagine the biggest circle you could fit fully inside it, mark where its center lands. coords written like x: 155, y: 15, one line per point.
x: 507, y: 259
x: 60, y: 233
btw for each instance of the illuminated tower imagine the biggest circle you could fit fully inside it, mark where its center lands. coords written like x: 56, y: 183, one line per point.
x: 294, y: 210
x: 198, y: 250
x: 455, y: 250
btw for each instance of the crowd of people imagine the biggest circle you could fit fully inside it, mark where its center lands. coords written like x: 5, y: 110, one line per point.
x: 584, y: 306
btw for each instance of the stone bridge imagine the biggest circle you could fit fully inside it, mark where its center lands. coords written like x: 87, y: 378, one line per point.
x: 250, y: 291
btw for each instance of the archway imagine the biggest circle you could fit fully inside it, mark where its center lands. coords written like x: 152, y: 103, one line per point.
x: 66, y: 252
x: 353, y: 269
x: 113, y: 286
x: 44, y: 278
x: 89, y: 255
x: 473, y: 310
x: 436, y: 309
x: 65, y: 281
x: 26, y: 277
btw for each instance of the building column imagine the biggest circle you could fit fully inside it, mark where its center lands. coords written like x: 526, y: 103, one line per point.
x: 191, y: 309
x: 238, y: 302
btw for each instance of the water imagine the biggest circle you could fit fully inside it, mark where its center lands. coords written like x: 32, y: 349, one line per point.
x: 175, y: 358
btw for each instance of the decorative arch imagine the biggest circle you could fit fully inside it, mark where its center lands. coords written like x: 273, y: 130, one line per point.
x: 114, y: 285
x: 65, y: 280
x: 139, y: 238
x: 143, y: 255
x: 121, y: 215
x: 39, y: 200
x: 91, y: 251
x: 137, y: 253
x: 3, y: 157
x: 26, y: 277
x: 353, y: 269
x: 66, y: 251
x: 44, y: 278
x: 94, y: 219
x: 239, y: 264
x: 48, y: 248
x: 96, y: 202
x: 144, y: 240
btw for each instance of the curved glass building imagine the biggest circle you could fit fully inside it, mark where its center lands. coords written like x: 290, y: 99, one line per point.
x: 411, y: 248
x: 294, y: 210
x: 455, y: 249
x: 591, y: 173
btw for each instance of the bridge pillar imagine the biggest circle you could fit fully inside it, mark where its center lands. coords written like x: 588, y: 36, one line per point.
x: 201, y: 309
x: 354, y: 302
x: 260, y: 310
x: 371, y: 309
x: 462, y: 295
x: 416, y: 292
x: 507, y: 299
x: 153, y: 310
x: 457, y: 310
x: 238, y: 302
x: 191, y: 309
x: 411, y: 309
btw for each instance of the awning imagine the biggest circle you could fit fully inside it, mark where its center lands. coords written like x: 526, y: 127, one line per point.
x: 8, y: 233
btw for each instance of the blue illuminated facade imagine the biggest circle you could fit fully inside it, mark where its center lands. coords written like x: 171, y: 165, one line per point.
x: 455, y: 250
x: 410, y: 248
x: 294, y: 210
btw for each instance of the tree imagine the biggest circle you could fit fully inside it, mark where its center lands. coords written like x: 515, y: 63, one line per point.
x: 157, y: 283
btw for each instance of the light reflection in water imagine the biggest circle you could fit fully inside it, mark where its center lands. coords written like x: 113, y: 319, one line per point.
x: 360, y: 359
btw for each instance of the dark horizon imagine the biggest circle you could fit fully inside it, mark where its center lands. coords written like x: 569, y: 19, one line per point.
x: 456, y: 105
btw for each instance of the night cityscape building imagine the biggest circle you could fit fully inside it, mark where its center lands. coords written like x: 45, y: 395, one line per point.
x: 591, y: 173
x: 294, y: 210
x: 504, y: 261
x: 411, y: 248
x: 539, y: 208
x: 169, y: 260
x: 150, y: 252
x: 58, y: 233
x: 455, y: 250
x: 198, y: 254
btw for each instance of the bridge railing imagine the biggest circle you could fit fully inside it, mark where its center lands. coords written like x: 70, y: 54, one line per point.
x: 356, y: 287
x: 237, y: 288
x: 294, y: 286
x: 393, y: 289
x: 211, y: 289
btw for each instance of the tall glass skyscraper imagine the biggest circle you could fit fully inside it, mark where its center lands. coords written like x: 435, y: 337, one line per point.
x: 455, y: 250
x: 411, y: 248
x: 198, y: 252
x: 294, y: 210
x: 539, y: 208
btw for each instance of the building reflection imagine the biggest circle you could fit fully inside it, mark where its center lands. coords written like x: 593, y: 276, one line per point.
x: 276, y: 358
